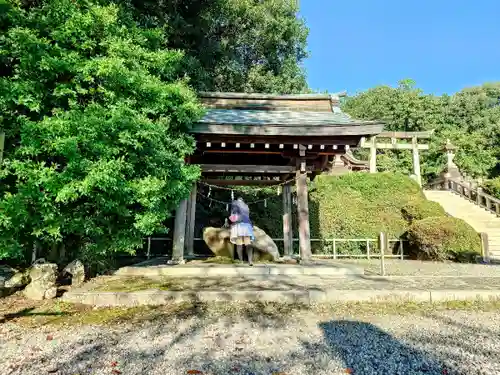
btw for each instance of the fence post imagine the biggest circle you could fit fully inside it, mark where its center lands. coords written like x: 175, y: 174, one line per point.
x: 368, y: 249
x: 485, y: 250
x: 334, y: 249
x: 401, y: 249
x: 148, y: 254
x: 382, y: 243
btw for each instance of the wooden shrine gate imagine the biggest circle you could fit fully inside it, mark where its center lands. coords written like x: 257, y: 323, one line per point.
x: 260, y: 139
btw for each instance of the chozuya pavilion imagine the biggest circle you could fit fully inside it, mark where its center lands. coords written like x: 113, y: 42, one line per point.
x: 262, y: 139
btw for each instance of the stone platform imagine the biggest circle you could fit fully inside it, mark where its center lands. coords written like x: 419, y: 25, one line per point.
x: 134, y: 291
x: 159, y: 268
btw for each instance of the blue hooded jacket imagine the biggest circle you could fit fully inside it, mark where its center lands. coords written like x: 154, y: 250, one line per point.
x: 240, y: 208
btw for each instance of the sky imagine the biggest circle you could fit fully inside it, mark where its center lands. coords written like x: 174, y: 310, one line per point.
x: 443, y: 45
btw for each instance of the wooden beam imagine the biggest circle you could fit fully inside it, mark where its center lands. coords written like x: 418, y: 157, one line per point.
x: 222, y: 182
x: 179, y: 232
x: 242, y: 152
x: 407, y: 135
x: 2, y: 145
x: 310, y: 139
x: 308, y: 155
x: 373, y: 155
x: 229, y: 168
x: 303, y: 216
x: 287, y: 221
x: 391, y: 146
x: 353, y: 129
x: 416, y: 161
x: 191, y: 219
x: 302, y: 150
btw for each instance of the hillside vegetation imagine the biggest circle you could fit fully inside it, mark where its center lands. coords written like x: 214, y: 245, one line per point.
x: 361, y: 205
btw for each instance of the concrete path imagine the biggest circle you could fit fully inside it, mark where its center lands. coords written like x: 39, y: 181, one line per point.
x: 477, y: 217
x: 133, y: 291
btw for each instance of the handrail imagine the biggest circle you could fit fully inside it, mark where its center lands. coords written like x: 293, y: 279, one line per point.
x: 468, y: 192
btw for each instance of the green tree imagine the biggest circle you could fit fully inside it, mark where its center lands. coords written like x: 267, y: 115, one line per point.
x: 95, y: 112
x: 234, y: 45
x: 469, y: 119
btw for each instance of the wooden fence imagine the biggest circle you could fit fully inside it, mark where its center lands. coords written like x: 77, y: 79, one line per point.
x: 331, y: 247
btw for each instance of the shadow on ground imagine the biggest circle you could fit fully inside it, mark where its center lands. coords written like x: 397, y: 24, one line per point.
x: 259, y: 339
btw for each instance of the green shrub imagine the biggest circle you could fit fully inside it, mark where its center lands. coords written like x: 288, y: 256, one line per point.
x: 492, y: 187
x: 444, y: 238
x: 361, y: 205
x: 418, y: 209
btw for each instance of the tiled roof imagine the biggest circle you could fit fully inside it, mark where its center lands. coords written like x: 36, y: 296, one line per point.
x: 283, y: 118
x: 241, y: 95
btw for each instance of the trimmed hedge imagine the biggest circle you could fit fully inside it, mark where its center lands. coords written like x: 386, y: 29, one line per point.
x: 418, y: 209
x: 361, y: 205
x: 444, y: 238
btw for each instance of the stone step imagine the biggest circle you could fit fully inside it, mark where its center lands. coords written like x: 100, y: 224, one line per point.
x: 478, y: 217
x: 316, y: 268
x: 311, y: 296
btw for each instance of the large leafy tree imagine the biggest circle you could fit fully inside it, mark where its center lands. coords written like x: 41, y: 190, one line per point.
x: 470, y: 119
x: 95, y: 111
x: 234, y: 45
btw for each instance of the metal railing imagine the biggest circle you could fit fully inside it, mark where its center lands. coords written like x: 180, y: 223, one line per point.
x: 331, y: 245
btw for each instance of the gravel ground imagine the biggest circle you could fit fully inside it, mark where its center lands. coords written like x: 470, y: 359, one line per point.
x: 262, y: 342
x: 395, y: 267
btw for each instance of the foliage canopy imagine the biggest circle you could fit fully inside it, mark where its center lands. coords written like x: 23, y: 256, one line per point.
x: 233, y: 45
x: 470, y: 119
x: 95, y: 112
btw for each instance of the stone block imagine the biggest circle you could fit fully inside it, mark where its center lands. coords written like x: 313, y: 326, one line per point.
x: 43, y: 282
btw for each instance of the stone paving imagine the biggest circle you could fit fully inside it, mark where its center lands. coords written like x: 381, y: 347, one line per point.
x: 396, y: 267
x: 407, y: 280
x: 284, y: 283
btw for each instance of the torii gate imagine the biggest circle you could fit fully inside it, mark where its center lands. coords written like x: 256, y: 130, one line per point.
x: 372, y: 144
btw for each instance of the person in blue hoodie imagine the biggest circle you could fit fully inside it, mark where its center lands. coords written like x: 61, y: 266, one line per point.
x: 241, y: 229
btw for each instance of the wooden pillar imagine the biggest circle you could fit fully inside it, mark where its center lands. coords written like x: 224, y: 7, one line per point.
x: 2, y: 144
x: 373, y: 155
x: 179, y: 232
x: 303, y: 215
x: 416, y: 161
x: 485, y: 247
x: 287, y: 221
x: 190, y: 224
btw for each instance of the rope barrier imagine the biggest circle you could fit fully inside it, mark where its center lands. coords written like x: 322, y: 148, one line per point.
x: 229, y: 203
x: 254, y: 189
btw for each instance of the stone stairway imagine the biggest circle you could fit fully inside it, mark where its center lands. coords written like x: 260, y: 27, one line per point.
x: 477, y: 217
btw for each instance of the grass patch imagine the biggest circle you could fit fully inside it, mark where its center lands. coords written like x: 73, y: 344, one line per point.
x: 134, y: 284
x: 221, y: 260
x: 225, y: 260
